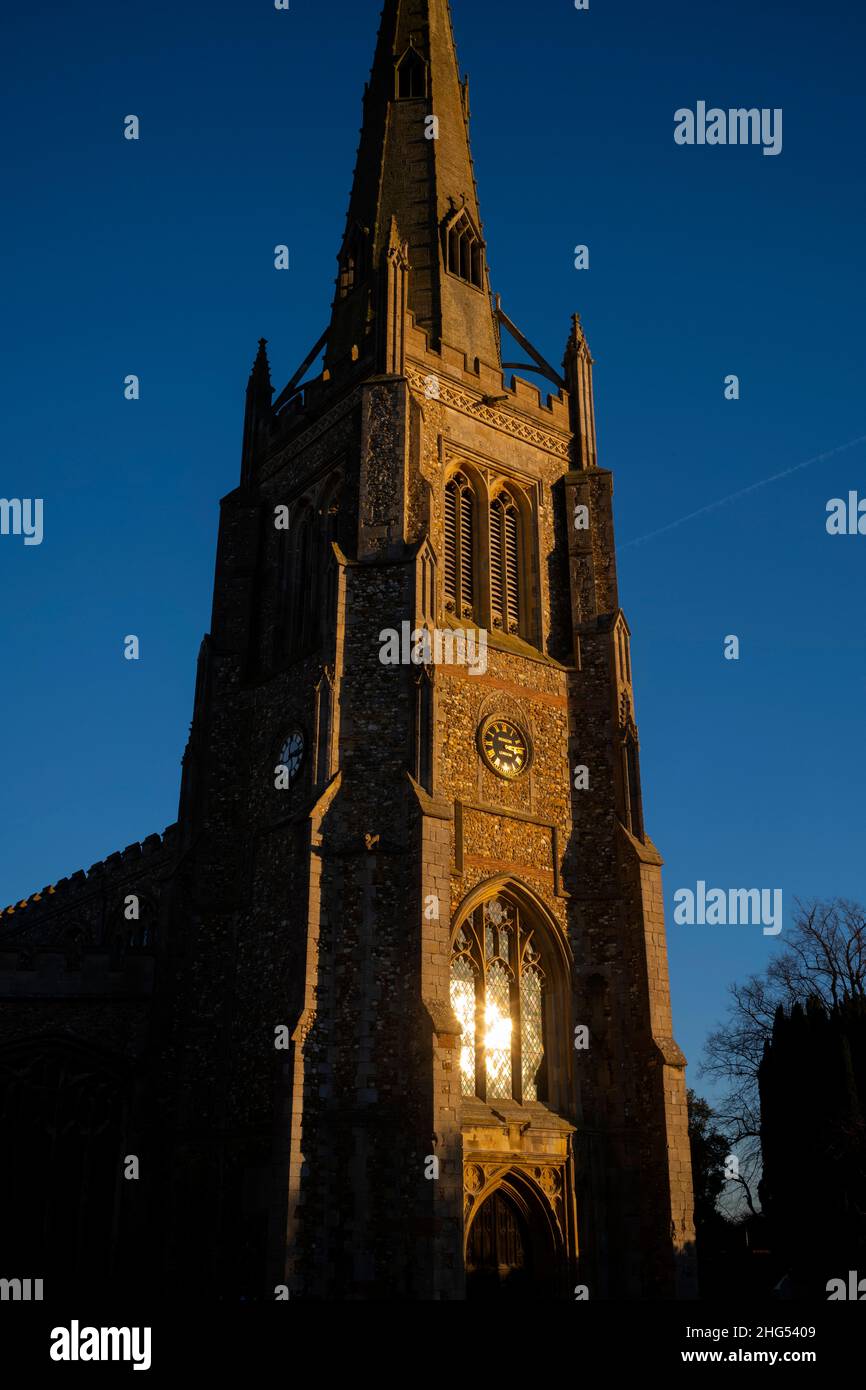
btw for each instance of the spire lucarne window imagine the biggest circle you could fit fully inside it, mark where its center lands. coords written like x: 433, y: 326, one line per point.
x: 411, y: 76
x: 426, y: 185
x: 459, y: 546
x: 464, y: 250
x: 497, y: 987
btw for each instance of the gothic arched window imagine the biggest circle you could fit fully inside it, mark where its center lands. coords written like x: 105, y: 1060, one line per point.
x: 136, y: 933
x: 459, y: 547
x: 301, y: 585
x: 497, y: 989
x: 411, y: 76
x: 464, y: 250
x: 330, y: 526
x: 505, y: 563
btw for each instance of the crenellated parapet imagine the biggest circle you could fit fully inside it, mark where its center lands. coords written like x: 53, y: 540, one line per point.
x: 79, y: 911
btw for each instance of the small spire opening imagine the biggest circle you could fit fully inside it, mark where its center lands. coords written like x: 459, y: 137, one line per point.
x: 353, y: 262
x: 464, y: 250
x: 411, y: 76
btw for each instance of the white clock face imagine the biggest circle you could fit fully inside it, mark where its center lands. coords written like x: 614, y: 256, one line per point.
x: 292, y: 755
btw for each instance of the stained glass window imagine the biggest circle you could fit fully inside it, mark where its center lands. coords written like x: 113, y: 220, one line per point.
x: 497, y: 993
x: 497, y: 1032
x: 531, y: 1044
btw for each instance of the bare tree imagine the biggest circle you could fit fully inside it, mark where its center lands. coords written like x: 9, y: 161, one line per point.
x: 824, y: 958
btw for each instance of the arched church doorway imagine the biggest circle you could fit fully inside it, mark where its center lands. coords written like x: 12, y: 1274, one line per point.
x: 509, y: 1252
x: 499, y: 1251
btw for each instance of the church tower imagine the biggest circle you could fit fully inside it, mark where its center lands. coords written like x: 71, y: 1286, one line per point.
x: 420, y: 1035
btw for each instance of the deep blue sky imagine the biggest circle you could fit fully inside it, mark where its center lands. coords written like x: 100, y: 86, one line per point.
x: 157, y: 258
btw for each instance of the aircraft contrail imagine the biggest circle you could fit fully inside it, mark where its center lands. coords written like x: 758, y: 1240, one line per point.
x: 743, y: 492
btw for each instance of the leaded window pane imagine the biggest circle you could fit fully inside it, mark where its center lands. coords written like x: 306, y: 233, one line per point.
x: 497, y: 990
x: 497, y: 1032
x: 531, y: 1040
x: 496, y: 912
x: 463, y: 1004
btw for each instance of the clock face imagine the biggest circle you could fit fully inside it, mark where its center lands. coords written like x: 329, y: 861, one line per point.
x: 292, y: 755
x: 504, y: 747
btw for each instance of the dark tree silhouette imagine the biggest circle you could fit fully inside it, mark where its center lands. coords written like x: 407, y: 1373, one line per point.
x: 824, y: 958
x: 722, y: 1244
x: 709, y: 1149
x: 812, y: 1083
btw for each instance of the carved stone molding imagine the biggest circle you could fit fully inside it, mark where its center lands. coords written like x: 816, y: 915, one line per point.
x: 548, y: 1179
x: 557, y: 444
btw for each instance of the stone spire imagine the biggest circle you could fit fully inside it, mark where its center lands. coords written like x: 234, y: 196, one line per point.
x: 414, y: 166
x: 258, y: 409
x: 578, y: 366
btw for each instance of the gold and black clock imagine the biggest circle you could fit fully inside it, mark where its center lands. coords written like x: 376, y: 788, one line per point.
x: 504, y: 747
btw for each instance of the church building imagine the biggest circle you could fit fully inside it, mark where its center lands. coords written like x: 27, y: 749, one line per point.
x: 386, y: 1014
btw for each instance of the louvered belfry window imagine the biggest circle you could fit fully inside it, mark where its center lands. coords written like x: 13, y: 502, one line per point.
x: 505, y: 564
x: 459, y: 547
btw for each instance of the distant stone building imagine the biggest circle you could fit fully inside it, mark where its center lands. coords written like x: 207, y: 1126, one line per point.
x: 386, y: 1013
